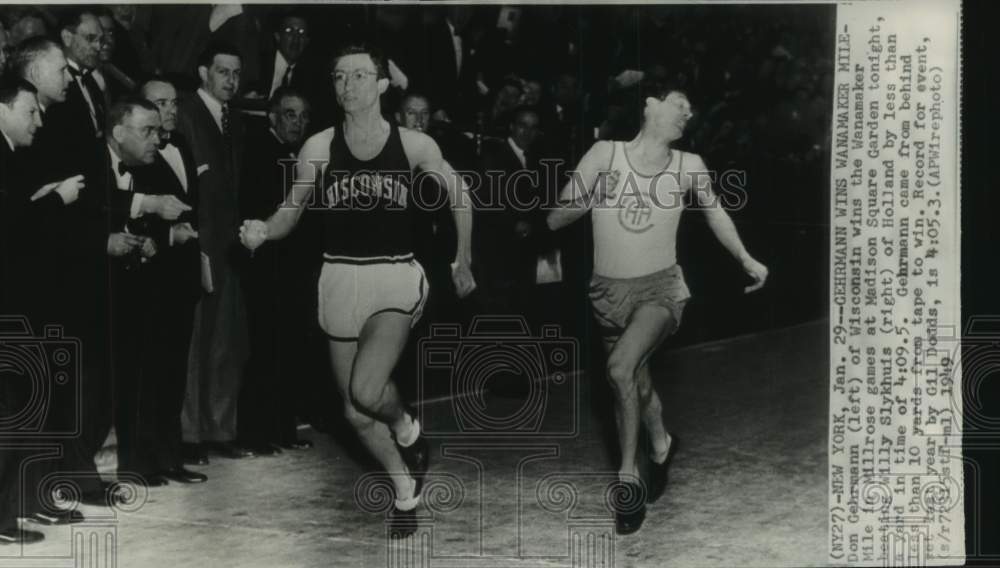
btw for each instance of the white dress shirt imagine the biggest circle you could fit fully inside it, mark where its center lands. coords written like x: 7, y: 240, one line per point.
x: 517, y: 152
x: 78, y: 78
x: 124, y: 182
x: 280, y: 67
x: 456, y: 42
x: 172, y: 155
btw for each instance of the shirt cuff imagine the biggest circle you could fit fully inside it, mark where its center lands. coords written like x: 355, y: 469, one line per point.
x: 136, y: 210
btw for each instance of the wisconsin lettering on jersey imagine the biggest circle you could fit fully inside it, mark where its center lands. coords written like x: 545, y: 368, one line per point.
x: 367, y: 190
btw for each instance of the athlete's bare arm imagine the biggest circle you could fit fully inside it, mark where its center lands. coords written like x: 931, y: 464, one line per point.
x: 695, y: 177
x: 578, y: 195
x: 311, y: 165
x: 424, y: 154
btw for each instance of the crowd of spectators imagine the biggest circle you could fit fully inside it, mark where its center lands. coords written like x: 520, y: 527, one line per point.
x: 500, y: 88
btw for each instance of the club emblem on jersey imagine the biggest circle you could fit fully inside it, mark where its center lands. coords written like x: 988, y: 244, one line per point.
x: 635, y: 215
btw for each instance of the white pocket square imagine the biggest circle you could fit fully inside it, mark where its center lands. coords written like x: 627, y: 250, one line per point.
x: 202, y: 169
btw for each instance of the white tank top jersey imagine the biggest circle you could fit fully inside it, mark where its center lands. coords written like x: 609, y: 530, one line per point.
x: 635, y: 229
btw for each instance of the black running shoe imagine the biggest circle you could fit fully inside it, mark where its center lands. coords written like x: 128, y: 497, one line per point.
x: 658, y: 472
x: 628, y: 501
x: 402, y: 523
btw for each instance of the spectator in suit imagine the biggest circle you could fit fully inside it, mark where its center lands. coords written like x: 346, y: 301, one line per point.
x: 219, y: 343
x: 19, y: 120
x: 436, y: 57
x: 281, y: 69
x: 71, y: 247
x: 175, y: 280
x: 82, y: 37
x: 278, y: 282
x: 113, y: 79
x: 508, y: 221
x: 135, y: 242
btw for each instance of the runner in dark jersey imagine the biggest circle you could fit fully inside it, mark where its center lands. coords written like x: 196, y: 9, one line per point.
x: 371, y: 289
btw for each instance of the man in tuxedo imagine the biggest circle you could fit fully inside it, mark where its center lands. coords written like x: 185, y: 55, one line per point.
x: 80, y: 119
x: 280, y: 308
x: 219, y: 343
x: 176, y: 283
x: 136, y: 241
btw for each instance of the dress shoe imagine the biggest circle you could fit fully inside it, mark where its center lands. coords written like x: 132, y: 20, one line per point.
x: 658, y: 472
x: 20, y: 536
x: 265, y: 449
x: 183, y: 475
x: 60, y: 517
x: 194, y: 454
x: 628, y: 500
x: 297, y: 444
x: 231, y: 450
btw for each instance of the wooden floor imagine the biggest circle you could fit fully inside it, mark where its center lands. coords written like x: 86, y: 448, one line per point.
x: 748, y: 486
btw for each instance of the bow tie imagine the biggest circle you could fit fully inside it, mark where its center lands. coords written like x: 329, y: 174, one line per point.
x: 78, y: 72
x: 123, y: 169
x: 164, y: 140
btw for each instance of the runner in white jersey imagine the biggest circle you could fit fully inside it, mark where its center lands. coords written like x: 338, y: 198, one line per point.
x: 635, y: 191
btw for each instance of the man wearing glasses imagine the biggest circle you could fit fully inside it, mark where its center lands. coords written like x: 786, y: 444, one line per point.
x: 371, y: 289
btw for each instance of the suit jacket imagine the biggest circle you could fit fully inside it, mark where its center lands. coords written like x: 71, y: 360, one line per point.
x: 176, y: 268
x: 500, y: 254
x: 218, y: 170
x: 69, y: 142
x: 287, y: 263
x: 427, y: 57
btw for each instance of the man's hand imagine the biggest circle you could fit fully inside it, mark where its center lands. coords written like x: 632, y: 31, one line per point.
x: 461, y: 275
x: 755, y: 270
x: 148, y: 247
x: 165, y: 207
x: 68, y: 189
x: 122, y: 244
x: 183, y: 232
x: 253, y: 233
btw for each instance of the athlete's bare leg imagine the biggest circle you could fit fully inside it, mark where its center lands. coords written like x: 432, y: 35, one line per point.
x: 362, y: 370
x: 651, y: 410
x: 645, y: 331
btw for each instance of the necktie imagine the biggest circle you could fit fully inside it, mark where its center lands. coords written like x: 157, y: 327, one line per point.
x: 286, y: 81
x: 227, y: 133
x: 96, y: 98
x: 93, y: 92
x: 122, y: 168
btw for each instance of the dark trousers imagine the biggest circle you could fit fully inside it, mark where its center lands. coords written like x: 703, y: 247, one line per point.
x: 153, y: 322
x: 283, y: 351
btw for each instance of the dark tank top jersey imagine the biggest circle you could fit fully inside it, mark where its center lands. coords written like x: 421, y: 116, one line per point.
x: 367, y: 211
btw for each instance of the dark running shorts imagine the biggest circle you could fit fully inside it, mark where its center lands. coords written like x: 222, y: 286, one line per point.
x: 616, y: 299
